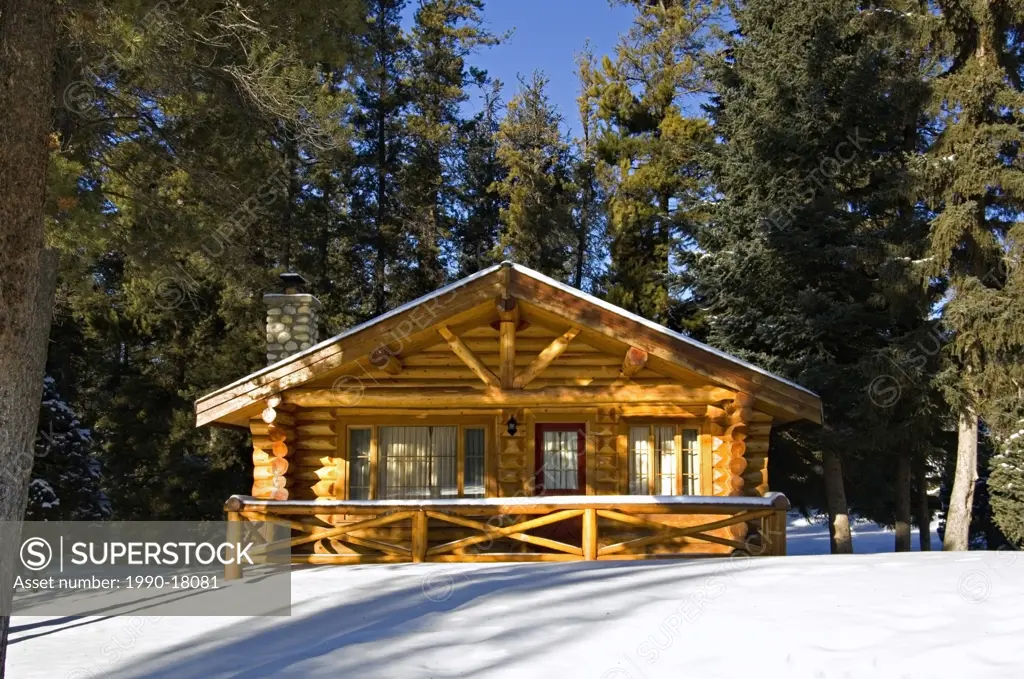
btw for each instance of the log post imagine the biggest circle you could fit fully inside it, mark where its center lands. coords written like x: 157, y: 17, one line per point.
x: 508, y: 313
x: 590, y: 534
x: 233, y: 571
x: 777, y: 534
x: 419, y: 537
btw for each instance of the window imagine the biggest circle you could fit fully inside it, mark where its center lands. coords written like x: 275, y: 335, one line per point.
x: 391, y: 463
x: 473, y: 448
x: 359, y: 463
x: 663, y: 460
x: 418, y: 462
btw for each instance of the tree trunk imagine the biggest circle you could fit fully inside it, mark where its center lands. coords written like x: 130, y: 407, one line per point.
x: 961, y: 500
x: 903, y: 504
x: 922, y: 512
x: 835, y: 496
x: 27, y: 272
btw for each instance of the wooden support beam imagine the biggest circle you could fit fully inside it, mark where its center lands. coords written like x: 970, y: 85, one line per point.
x: 398, y: 397
x: 590, y: 546
x: 419, y: 536
x: 508, y: 314
x: 545, y: 357
x: 634, y: 362
x: 383, y: 360
x: 233, y: 569
x: 467, y: 356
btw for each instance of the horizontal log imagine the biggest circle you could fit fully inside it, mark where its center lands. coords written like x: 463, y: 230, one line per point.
x: 754, y: 478
x: 260, y: 429
x: 636, y: 504
x: 493, y: 359
x: 317, y: 429
x: 270, y: 493
x: 312, y: 460
x: 260, y: 457
x: 440, y: 398
x: 316, y: 444
x: 320, y: 474
x: 277, y: 467
x: 757, y: 446
x: 655, y: 410
x: 277, y: 417
x: 324, y: 488
x: 308, y: 415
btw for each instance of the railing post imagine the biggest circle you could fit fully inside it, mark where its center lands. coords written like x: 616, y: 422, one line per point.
x: 233, y: 571
x: 419, y: 536
x: 590, y: 534
x: 778, y: 533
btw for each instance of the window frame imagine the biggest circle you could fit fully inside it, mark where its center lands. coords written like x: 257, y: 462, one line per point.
x: 346, y: 425
x: 654, y: 474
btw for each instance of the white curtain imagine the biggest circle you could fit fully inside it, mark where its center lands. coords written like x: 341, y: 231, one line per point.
x: 561, y: 469
x: 418, y: 462
x: 640, y: 461
x: 691, y: 453
x: 665, y: 444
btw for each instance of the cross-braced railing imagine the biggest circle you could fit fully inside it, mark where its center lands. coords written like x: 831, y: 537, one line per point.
x: 565, y: 528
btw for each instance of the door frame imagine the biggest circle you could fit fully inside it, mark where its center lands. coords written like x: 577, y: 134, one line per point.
x: 581, y: 456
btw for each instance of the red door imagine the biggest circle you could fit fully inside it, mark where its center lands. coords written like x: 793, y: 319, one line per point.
x: 560, y: 462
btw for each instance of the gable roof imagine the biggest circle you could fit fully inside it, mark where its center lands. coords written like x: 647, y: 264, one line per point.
x: 537, y: 289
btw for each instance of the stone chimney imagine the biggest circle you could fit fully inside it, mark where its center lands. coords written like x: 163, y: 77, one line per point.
x: 292, y: 319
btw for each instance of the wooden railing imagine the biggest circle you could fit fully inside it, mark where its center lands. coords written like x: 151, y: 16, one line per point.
x: 566, y: 528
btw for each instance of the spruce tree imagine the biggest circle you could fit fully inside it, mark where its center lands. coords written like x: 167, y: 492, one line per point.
x: 66, y: 477
x: 973, y: 182
x: 816, y: 106
x: 537, y: 220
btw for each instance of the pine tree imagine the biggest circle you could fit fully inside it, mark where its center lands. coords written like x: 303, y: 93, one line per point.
x: 816, y: 106
x: 477, y: 231
x: 590, y: 223
x: 651, y: 149
x: 177, y: 188
x: 537, y: 222
x: 444, y: 34
x: 66, y: 477
x: 383, y: 252
x: 973, y: 184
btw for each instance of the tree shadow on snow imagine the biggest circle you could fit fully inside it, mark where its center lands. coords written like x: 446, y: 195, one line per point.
x: 394, y: 626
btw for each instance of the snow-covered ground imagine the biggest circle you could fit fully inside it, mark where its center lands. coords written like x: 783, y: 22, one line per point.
x: 868, y: 615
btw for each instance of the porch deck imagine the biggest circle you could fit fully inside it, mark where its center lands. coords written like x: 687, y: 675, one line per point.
x: 561, y: 528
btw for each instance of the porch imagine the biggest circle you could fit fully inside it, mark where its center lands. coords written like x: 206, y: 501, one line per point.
x: 562, y: 528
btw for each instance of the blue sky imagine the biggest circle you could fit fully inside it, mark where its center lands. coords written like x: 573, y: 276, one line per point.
x: 546, y: 36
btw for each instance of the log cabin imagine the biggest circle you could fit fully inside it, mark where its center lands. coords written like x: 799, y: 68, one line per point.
x: 506, y: 416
